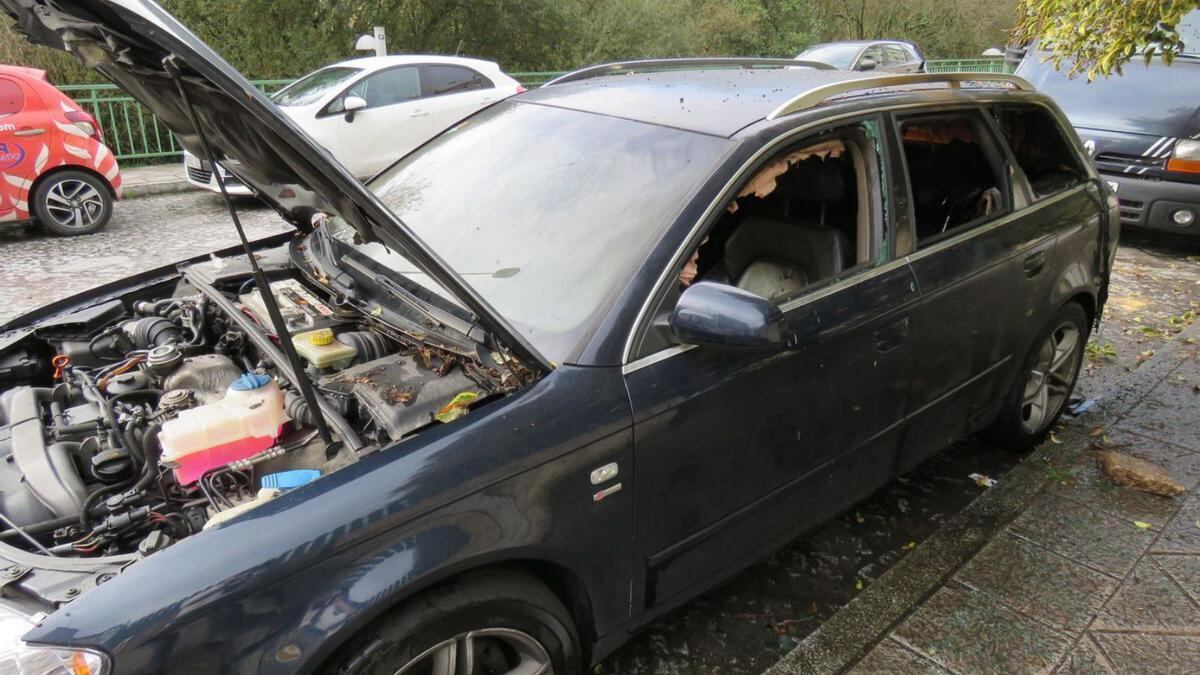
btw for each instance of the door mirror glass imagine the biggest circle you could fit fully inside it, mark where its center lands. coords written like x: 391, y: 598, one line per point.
x: 867, y: 63
x: 351, y: 104
x: 720, y: 315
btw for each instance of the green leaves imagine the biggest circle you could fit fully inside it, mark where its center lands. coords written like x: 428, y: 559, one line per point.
x: 1096, y: 37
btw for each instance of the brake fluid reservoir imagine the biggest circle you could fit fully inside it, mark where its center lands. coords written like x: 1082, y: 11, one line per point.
x: 246, y: 421
x: 321, y: 349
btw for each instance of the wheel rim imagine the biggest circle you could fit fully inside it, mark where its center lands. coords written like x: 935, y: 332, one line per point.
x: 1049, y: 382
x: 74, y: 204
x: 490, y: 651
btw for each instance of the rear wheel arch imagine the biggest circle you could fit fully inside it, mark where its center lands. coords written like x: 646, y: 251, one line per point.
x: 73, y: 167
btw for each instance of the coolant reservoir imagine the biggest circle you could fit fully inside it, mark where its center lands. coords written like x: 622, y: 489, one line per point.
x: 320, y: 348
x: 245, y: 422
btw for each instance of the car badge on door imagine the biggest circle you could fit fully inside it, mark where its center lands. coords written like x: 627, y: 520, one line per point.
x: 1090, y: 146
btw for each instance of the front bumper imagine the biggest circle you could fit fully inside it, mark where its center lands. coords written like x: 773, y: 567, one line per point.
x: 200, y: 175
x: 1148, y: 204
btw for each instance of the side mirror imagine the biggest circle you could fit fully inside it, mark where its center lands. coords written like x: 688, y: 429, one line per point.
x: 867, y: 63
x: 726, y: 316
x: 351, y: 104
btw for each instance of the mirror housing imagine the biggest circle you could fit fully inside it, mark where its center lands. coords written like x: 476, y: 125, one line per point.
x: 351, y: 104
x: 720, y: 315
x: 867, y: 63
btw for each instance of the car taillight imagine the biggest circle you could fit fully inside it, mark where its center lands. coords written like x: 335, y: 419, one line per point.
x: 86, y: 123
x: 521, y: 89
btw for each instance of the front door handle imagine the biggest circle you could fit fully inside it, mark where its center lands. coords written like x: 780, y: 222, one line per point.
x: 892, y: 335
x: 1034, y: 263
x: 29, y: 131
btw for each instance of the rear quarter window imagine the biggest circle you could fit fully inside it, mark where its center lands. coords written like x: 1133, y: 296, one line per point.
x: 12, y: 99
x: 1041, y: 149
x: 440, y: 79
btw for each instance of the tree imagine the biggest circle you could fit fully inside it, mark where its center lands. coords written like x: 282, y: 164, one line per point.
x: 1098, y: 36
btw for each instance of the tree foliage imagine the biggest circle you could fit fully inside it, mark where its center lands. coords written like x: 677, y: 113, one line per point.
x: 1098, y: 36
x: 286, y: 38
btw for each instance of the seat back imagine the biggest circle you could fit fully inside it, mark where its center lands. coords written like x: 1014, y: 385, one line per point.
x: 817, y: 251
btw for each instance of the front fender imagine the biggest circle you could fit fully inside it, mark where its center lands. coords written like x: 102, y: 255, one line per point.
x: 280, y: 588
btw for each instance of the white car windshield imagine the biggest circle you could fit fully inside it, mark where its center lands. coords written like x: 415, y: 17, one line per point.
x: 546, y: 212
x: 312, y: 87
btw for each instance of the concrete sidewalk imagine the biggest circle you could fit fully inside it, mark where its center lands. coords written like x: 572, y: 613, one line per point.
x: 155, y: 179
x: 1055, y: 569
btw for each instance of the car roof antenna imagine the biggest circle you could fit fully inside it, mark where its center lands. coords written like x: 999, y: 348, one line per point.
x: 260, y: 278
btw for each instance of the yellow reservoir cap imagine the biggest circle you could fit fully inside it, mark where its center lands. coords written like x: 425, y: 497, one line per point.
x: 320, y: 337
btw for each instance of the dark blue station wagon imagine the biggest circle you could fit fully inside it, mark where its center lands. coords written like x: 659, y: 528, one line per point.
x: 582, y: 356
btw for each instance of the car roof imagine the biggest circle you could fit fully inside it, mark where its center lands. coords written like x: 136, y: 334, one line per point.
x: 22, y: 71
x: 718, y: 102
x: 372, y: 63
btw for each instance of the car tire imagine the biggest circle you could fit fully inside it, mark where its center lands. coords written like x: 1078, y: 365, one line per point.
x: 69, y: 203
x: 1042, y: 387
x: 500, y: 619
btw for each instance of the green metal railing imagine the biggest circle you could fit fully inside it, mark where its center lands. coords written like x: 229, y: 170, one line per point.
x: 130, y: 130
x: 135, y: 134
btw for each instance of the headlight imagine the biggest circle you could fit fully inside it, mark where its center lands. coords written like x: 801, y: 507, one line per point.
x: 18, y: 658
x: 1185, y: 157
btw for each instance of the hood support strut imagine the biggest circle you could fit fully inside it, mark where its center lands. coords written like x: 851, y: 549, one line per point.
x: 260, y: 278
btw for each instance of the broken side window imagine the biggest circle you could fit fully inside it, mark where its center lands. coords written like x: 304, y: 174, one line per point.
x: 1041, y: 150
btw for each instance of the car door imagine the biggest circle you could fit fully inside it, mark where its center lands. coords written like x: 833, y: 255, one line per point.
x: 24, y: 134
x: 395, y: 121
x: 735, y: 451
x: 454, y: 92
x: 971, y: 241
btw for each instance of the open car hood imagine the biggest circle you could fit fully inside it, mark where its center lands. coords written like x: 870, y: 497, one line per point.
x: 130, y: 41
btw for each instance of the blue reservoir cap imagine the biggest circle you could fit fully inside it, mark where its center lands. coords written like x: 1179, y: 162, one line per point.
x: 249, y: 382
x: 286, y: 480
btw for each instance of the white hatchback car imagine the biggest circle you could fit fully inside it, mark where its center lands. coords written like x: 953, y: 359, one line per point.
x: 371, y: 111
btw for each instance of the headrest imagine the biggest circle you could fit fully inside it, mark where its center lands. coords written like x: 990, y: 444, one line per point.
x: 814, y: 180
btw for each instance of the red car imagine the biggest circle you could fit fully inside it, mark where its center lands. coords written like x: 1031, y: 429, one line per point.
x: 54, y: 167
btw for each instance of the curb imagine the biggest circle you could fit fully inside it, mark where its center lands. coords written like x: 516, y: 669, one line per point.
x: 157, y: 188
x: 855, y: 629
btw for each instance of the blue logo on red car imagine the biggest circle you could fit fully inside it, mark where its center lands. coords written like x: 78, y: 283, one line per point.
x: 11, y: 155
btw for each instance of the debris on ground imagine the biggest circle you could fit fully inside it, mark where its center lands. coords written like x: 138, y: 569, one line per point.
x: 982, y: 480
x: 1138, y: 474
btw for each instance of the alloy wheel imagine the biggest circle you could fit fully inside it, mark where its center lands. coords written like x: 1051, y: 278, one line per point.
x: 1050, y: 380
x: 74, y: 204
x: 490, y: 651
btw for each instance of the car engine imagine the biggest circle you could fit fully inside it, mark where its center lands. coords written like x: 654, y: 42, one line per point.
x: 136, y: 421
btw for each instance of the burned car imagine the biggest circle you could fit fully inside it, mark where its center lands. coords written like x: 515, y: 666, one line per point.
x: 582, y: 356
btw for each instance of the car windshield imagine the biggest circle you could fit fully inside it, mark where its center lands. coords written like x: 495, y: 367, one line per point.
x: 836, y: 55
x: 310, y: 88
x: 544, y: 211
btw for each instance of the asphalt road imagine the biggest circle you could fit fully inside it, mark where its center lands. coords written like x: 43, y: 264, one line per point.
x: 747, y: 624
x: 36, y: 268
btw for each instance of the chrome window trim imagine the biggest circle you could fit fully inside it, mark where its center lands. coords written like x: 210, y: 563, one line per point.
x: 642, y: 315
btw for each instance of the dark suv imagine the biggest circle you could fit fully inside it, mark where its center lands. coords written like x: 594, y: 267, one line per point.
x: 582, y: 356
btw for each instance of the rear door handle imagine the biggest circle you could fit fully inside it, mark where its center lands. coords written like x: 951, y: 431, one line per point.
x: 29, y: 131
x: 892, y: 335
x: 1034, y: 263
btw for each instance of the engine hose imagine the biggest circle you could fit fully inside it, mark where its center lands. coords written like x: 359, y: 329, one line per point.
x: 43, y: 526
x: 132, y: 445
x: 150, y: 452
x: 156, y: 393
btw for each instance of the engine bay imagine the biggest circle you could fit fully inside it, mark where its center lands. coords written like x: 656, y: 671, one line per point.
x: 136, y: 421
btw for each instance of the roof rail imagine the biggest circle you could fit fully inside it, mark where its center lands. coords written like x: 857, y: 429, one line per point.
x: 824, y: 92
x: 695, y: 63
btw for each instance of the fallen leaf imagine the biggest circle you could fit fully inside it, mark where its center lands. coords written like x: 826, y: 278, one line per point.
x: 1054, y: 439
x: 1096, y: 432
x: 1144, y: 526
x: 912, y: 544
x: 858, y: 517
x: 858, y: 585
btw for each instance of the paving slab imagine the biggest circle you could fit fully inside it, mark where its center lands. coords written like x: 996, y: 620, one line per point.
x: 153, y: 179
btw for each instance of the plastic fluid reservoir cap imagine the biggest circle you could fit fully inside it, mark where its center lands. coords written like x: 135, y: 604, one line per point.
x: 320, y: 337
x: 249, y: 382
x: 286, y: 480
